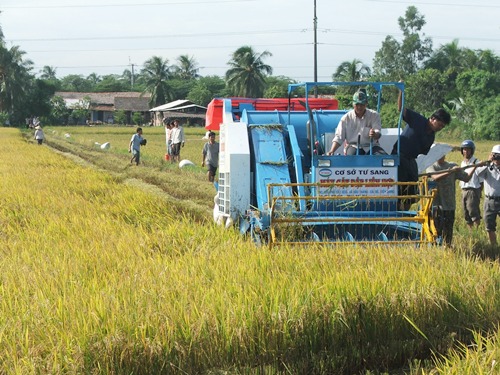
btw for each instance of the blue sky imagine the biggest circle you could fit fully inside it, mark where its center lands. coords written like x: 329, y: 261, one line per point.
x: 108, y: 36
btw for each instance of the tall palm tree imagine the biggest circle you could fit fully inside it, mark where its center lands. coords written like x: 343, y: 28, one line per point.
x: 187, y: 67
x: 156, y: 73
x: 48, y: 73
x: 349, y: 71
x: 449, y: 59
x: 15, y: 77
x: 246, y: 77
x: 94, y: 78
x: 488, y: 61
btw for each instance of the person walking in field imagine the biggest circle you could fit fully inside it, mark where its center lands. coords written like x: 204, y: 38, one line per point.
x: 39, y: 135
x: 168, y: 137
x: 471, y: 191
x: 135, y: 146
x: 211, y: 156
x: 490, y: 175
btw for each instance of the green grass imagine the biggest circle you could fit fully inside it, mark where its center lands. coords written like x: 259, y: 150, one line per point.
x: 101, y: 273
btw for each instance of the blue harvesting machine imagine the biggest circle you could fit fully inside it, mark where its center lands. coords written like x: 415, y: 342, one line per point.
x: 277, y: 183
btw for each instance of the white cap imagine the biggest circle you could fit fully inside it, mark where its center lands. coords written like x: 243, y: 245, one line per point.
x: 495, y: 149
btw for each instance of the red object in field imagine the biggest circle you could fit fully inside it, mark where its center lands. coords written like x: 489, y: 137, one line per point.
x: 167, y: 157
x: 213, y: 117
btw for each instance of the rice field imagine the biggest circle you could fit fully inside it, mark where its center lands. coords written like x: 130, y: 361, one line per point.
x: 108, y: 268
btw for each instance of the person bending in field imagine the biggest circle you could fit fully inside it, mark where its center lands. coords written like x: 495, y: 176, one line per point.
x: 135, y: 146
x: 416, y: 138
x: 444, y: 204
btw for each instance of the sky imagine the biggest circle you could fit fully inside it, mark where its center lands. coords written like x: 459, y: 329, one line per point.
x: 109, y: 36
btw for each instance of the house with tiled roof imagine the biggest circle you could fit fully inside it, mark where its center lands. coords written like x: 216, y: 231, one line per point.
x: 103, y: 105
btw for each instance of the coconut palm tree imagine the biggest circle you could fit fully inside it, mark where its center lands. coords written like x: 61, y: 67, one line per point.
x: 186, y: 68
x: 488, y: 61
x: 156, y: 73
x: 449, y: 59
x: 94, y: 78
x: 15, y: 77
x: 48, y: 73
x: 349, y: 71
x: 247, y: 75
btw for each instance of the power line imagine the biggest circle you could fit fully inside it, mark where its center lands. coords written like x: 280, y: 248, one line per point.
x: 434, y: 3
x: 239, y: 33
x: 121, y: 5
x: 196, y: 35
x: 124, y: 5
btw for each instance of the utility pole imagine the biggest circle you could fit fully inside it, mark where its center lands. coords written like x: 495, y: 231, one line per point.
x: 132, y: 74
x: 132, y: 77
x: 315, y: 20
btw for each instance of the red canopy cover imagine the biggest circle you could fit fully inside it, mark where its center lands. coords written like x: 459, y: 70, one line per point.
x: 214, y: 109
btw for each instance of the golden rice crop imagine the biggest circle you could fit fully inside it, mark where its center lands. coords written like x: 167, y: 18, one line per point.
x: 99, y: 276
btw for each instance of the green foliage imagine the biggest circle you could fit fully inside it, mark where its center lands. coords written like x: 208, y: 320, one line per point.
x: 80, y: 111
x: 350, y: 71
x: 389, y: 115
x: 187, y: 68
x: 59, y: 113
x: 75, y: 82
x: 4, y: 118
x: 111, y: 83
x: 181, y: 87
x: 39, y: 96
x: 16, y: 81
x: 426, y: 90
x: 488, y: 119
x: 415, y: 47
x: 386, y: 65
x: 120, y: 117
x: 247, y: 72
x: 277, y: 87
x: 137, y: 118
x: 200, y: 95
x: 395, y: 59
x: 477, y: 85
x: 156, y: 74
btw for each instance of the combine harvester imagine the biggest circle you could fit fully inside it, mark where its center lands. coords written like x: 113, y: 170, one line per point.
x: 278, y: 184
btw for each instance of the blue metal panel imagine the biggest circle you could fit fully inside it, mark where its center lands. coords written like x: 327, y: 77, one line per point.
x: 297, y: 163
x: 271, y: 162
x: 326, y: 122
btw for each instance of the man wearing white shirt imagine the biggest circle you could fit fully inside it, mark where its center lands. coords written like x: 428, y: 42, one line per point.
x: 359, y: 129
x: 471, y: 191
x: 177, y: 137
x: 490, y: 175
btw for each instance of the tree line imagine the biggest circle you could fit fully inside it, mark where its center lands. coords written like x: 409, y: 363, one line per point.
x: 464, y: 81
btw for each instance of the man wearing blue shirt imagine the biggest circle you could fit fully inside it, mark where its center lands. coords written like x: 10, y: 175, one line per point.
x: 135, y: 146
